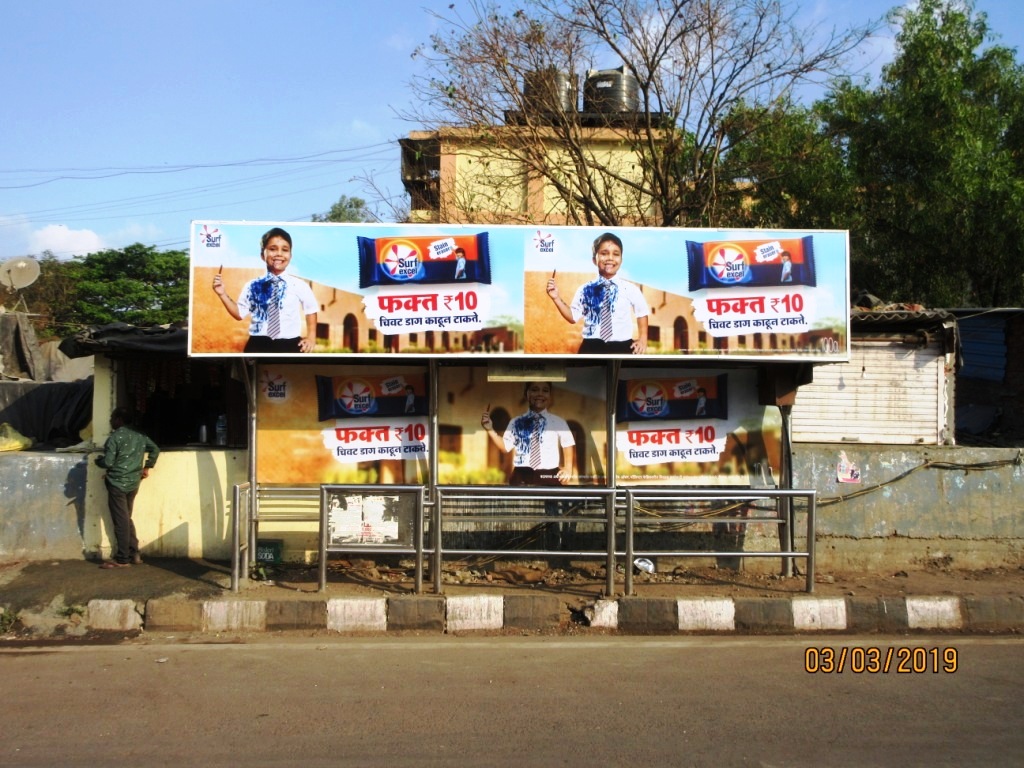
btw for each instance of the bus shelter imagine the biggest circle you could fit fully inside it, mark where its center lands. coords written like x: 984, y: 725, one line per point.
x: 452, y: 390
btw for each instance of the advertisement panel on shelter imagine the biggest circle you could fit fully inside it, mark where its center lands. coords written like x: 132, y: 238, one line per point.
x: 328, y: 424
x: 369, y: 425
x: 267, y: 289
x: 692, y: 425
x: 535, y: 431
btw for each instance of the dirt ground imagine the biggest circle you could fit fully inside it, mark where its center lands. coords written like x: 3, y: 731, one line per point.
x: 586, y: 581
x: 56, y: 585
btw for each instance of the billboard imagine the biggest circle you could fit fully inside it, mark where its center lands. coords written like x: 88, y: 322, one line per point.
x: 285, y: 289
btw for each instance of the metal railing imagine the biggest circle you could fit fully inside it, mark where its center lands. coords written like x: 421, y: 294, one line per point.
x: 537, y: 509
x: 742, y: 509
x: 519, y: 517
x: 240, y: 500
x: 272, y: 504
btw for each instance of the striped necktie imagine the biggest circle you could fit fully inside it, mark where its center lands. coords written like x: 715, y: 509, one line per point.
x: 274, y: 309
x: 605, y: 327
x: 538, y: 429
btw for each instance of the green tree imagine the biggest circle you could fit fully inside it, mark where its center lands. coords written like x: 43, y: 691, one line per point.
x: 789, y: 170
x: 347, y: 209
x: 936, y: 155
x: 50, y: 298
x: 138, y: 285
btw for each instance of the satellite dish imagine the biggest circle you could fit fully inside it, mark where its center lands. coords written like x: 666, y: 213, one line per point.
x: 20, y: 272
x: 17, y: 273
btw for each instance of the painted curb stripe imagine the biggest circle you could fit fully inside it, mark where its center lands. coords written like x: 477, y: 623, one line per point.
x: 472, y: 612
x: 714, y: 614
x: 357, y: 615
x: 934, y: 613
x: 814, y: 614
x: 234, y: 615
x: 486, y: 612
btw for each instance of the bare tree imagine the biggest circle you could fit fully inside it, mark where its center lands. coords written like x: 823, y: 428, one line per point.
x: 502, y: 79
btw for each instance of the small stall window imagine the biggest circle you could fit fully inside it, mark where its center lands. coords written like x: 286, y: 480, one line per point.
x: 183, y: 402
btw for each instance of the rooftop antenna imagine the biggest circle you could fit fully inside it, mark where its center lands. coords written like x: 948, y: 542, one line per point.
x: 17, y: 273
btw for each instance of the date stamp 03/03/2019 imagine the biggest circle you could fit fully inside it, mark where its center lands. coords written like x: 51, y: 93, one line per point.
x: 899, y: 659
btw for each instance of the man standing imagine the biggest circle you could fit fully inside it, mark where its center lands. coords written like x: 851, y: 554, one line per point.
x: 128, y: 455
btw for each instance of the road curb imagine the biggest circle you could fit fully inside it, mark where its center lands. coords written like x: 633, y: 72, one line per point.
x: 802, y: 614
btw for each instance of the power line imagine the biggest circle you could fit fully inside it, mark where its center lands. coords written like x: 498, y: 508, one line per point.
x: 92, y: 174
x: 87, y: 212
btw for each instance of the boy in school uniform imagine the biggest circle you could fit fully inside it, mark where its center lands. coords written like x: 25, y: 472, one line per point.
x: 607, y: 305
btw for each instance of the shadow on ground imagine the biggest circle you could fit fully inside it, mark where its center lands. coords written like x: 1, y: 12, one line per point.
x: 27, y: 585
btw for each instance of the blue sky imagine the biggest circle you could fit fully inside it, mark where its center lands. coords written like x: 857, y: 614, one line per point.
x: 126, y: 121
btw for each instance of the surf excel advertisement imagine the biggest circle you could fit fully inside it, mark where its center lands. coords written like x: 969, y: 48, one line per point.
x: 287, y: 289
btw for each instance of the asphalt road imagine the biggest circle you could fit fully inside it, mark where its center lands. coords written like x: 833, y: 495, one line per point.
x: 533, y: 701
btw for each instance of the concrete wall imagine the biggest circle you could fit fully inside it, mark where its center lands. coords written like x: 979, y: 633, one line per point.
x: 958, y: 507
x: 42, y: 505
x: 54, y: 505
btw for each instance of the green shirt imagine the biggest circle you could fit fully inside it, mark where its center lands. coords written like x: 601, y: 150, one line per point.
x: 123, y: 457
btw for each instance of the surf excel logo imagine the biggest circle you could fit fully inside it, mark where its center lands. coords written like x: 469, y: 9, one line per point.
x: 356, y: 397
x: 728, y: 264
x: 544, y: 243
x: 401, y: 260
x: 209, y: 238
x: 274, y: 387
x: 648, y: 399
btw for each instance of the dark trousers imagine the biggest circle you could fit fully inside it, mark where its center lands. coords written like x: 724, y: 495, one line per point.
x: 553, y: 532
x: 259, y: 344
x: 530, y: 476
x: 122, y: 504
x: 600, y: 347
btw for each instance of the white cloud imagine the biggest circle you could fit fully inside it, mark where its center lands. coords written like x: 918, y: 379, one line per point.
x: 138, y: 232
x: 64, y: 242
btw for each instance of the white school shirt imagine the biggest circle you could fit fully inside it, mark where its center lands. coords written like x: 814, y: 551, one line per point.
x: 556, y: 435
x: 298, y: 302
x: 629, y: 302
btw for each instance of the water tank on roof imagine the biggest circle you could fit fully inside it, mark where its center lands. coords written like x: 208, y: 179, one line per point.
x: 610, y: 91
x: 549, y: 90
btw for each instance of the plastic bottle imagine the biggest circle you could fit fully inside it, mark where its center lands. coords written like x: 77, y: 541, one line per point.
x: 222, y: 429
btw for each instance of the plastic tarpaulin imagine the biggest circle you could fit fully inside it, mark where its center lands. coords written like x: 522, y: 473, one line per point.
x: 50, y: 412
x: 19, y: 352
x: 121, y: 337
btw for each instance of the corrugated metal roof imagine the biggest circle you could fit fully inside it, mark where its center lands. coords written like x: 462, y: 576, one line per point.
x: 903, y: 317
x: 983, y: 333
